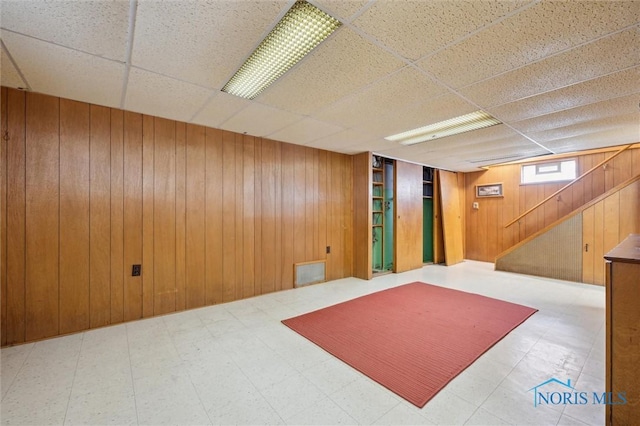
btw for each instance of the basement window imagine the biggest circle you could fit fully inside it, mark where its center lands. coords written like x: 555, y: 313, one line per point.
x: 556, y: 171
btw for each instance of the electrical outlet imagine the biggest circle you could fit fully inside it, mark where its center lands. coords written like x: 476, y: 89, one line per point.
x: 136, y: 270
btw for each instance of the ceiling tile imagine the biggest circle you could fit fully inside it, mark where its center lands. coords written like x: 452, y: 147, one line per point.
x: 457, y: 166
x: 342, y: 140
x: 343, y: 10
x: 611, y: 137
x: 584, y: 114
x: 481, y: 147
x: 162, y: 96
x: 631, y: 120
x: 343, y: 63
x: 10, y: 76
x: 219, y: 109
x: 596, y: 90
x: 564, y: 73
x: 415, y: 28
x: 375, y: 145
x: 304, y: 131
x: 98, y: 27
x: 547, y: 28
x: 198, y: 41
x: 68, y: 73
x: 486, y: 156
x: 259, y: 120
x: 406, y: 87
x: 413, y: 116
x: 607, y: 55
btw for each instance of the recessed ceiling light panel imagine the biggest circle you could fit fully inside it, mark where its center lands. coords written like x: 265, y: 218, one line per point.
x: 453, y: 126
x: 300, y: 30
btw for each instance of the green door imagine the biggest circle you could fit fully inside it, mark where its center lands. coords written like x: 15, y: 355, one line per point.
x: 427, y: 230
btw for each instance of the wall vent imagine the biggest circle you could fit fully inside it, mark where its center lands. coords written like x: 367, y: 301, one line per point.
x: 306, y: 273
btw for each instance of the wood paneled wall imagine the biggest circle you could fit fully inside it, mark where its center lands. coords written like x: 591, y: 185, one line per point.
x: 407, y: 242
x: 212, y: 216
x: 606, y: 224
x: 485, y: 234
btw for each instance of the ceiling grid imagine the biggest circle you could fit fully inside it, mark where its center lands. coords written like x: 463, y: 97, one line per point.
x: 561, y: 76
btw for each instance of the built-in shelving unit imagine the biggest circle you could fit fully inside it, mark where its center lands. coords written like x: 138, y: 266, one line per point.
x: 427, y: 214
x: 377, y: 212
x: 427, y: 182
x: 388, y: 209
x: 381, y: 214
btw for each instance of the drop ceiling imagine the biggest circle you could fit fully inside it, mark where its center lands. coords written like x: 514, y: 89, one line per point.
x: 561, y: 75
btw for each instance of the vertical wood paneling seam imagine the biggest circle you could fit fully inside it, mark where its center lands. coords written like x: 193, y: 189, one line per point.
x: 153, y: 216
x: 90, y: 216
x: 282, y: 224
x: 204, y: 218
x: 257, y: 291
x: 255, y: 191
x: 124, y: 266
x: 3, y: 238
x: 59, y: 211
x: 110, y: 220
x: 175, y: 216
x: 24, y: 254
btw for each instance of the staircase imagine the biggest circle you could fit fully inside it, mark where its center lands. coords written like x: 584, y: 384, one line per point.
x: 572, y: 248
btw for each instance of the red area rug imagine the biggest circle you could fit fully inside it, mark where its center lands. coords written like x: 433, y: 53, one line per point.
x: 412, y: 339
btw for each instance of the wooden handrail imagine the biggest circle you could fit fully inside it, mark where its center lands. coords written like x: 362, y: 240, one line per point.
x: 606, y: 160
x: 577, y: 211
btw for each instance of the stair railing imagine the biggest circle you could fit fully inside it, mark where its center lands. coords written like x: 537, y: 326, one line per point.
x: 594, y: 168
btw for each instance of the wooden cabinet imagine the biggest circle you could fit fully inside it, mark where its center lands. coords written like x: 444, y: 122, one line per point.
x: 407, y: 216
x: 362, y: 221
x: 623, y: 332
x: 387, y: 215
x: 451, y: 217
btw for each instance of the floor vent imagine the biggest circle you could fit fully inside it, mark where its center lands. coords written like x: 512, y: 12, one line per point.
x: 306, y: 273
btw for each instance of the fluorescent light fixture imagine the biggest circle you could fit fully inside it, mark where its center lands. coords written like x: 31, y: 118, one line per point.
x: 300, y: 30
x: 453, y: 126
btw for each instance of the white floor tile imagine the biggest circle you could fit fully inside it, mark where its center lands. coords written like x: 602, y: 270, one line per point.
x: 448, y: 408
x: 403, y: 414
x: 482, y: 417
x: 38, y: 407
x: 515, y: 406
x: 250, y: 409
x: 168, y: 399
x: 324, y: 412
x: 591, y: 414
x: 292, y: 396
x: 220, y: 389
x: 569, y: 421
x: 235, y: 363
x: 365, y: 400
x: 331, y: 375
x: 102, y: 405
x: 12, y: 360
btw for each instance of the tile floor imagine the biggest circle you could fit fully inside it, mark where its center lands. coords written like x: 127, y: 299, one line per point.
x: 237, y: 364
